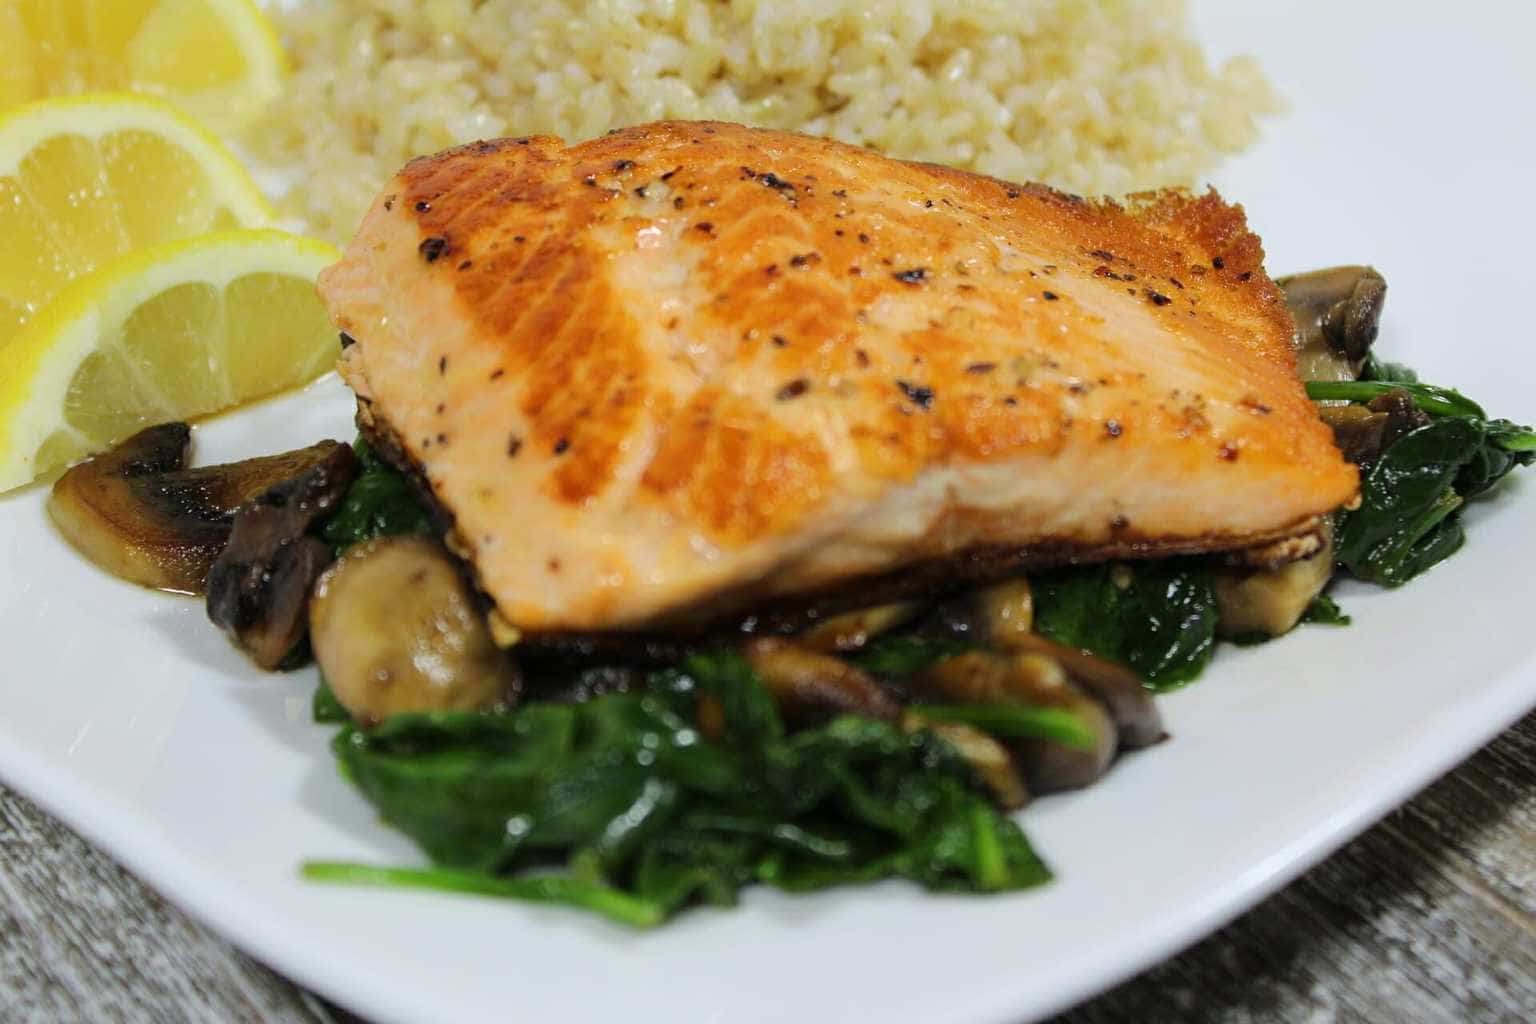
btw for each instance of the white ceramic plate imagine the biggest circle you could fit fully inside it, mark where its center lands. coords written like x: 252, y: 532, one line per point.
x: 1408, y: 146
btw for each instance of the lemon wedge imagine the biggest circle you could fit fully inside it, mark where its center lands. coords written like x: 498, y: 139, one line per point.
x: 219, y: 60
x: 174, y: 332
x: 87, y: 180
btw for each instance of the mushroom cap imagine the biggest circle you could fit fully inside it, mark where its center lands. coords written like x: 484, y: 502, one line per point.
x: 139, y: 513
x: 396, y: 629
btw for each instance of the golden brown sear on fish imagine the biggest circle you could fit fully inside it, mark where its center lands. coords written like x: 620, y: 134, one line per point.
x: 689, y: 368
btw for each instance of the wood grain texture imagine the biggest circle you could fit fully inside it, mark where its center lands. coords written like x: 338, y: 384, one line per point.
x: 81, y: 940
x: 1430, y: 917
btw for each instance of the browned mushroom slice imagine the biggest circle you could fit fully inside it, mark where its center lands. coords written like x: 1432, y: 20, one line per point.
x: 850, y: 631
x: 1363, y: 432
x: 990, y: 760
x: 984, y: 677
x: 809, y: 684
x: 258, y: 587
x: 1138, y: 723
x: 1007, y: 610
x: 1271, y: 602
x: 1337, y: 313
x: 1357, y: 431
x: 138, y: 513
x: 1004, y: 615
x: 395, y: 628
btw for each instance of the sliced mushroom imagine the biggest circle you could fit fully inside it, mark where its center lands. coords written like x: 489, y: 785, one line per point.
x: 1138, y: 723
x: 1005, y: 616
x: 1008, y: 611
x: 809, y: 684
x: 258, y: 588
x: 396, y: 629
x: 138, y: 513
x: 852, y: 630
x: 1363, y: 432
x: 1337, y: 313
x: 991, y: 761
x: 983, y: 677
x: 1271, y: 602
x: 1358, y: 432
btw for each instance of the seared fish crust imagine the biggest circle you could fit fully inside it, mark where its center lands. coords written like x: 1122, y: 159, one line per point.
x: 689, y: 367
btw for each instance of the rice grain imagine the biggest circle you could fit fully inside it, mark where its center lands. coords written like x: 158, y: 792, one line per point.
x: 1094, y: 96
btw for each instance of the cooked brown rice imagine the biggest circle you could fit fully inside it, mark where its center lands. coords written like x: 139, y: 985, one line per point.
x: 1098, y: 96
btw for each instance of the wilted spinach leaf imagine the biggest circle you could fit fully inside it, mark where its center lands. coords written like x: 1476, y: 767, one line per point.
x: 1409, y: 517
x: 1380, y: 369
x: 324, y: 708
x: 1505, y: 446
x: 1406, y: 522
x: 906, y: 654
x: 1434, y: 400
x: 1158, y: 618
x: 901, y: 655
x: 1015, y: 722
x: 749, y: 712
x: 647, y: 816
x: 1324, y: 610
x: 379, y: 503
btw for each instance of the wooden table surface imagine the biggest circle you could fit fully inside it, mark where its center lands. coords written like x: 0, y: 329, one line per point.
x: 1429, y: 917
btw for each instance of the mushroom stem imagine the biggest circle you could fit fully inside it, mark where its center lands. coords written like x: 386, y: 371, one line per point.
x: 809, y: 684
x: 258, y: 588
x: 1008, y: 610
x: 850, y: 631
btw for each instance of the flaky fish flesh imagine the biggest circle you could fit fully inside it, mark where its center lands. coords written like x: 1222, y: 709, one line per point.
x: 689, y: 368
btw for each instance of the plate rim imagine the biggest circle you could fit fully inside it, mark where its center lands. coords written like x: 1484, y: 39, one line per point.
x: 1398, y: 771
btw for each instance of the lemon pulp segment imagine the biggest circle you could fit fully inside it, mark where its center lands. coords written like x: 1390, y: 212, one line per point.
x: 86, y: 180
x: 218, y: 59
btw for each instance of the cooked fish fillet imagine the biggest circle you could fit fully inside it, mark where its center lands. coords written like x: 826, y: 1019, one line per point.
x: 687, y: 367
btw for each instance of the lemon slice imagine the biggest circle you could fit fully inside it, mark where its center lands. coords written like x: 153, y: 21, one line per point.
x: 170, y: 333
x: 85, y: 181
x: 219, y: 60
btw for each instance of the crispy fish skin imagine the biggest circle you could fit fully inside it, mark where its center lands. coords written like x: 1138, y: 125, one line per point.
x: 696, y: 365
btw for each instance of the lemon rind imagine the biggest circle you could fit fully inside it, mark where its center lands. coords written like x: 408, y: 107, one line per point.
x: 257, y: 34
x: 229, y: 105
